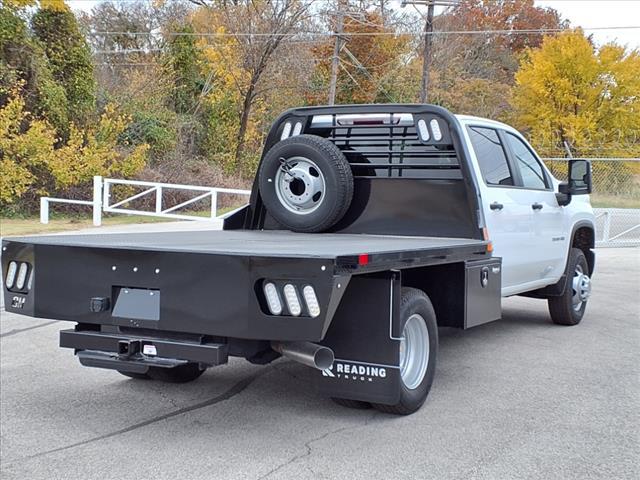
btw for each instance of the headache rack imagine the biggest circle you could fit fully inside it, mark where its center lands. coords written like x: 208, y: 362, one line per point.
x: 392, y: 145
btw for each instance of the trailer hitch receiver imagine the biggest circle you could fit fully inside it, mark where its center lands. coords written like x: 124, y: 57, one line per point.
x: 127, y: 348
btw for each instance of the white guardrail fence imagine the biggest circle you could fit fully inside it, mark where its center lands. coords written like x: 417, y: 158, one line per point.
x: 101, y: 202
x: 614, y: 226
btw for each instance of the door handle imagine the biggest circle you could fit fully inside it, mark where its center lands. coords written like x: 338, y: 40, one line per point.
x: 496, y: 206
x: 537, y: 206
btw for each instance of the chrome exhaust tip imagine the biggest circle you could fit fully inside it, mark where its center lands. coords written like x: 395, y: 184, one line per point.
x: 307, y: 353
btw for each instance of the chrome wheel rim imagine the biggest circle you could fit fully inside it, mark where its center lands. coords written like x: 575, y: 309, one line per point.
x: 581, y: 286
x: 414, y: 351
x: 300, y: 185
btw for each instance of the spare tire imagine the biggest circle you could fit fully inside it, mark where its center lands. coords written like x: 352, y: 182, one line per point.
x: 306, y: 183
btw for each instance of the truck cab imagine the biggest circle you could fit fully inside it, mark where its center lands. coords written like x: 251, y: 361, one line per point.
x: 530, y: 227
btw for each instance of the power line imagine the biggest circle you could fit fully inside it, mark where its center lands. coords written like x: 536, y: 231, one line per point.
x: 370, y: 34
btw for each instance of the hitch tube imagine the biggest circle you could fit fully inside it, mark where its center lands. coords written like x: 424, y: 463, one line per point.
x: 306, y: 353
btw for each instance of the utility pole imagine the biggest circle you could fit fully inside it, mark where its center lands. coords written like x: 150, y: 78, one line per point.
x: 335, y: 61
x: 427, y: 50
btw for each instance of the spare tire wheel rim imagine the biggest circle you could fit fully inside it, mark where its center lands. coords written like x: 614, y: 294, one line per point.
x: 300, y: 185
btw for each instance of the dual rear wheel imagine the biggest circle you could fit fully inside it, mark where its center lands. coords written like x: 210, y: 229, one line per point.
x: 418, y: 349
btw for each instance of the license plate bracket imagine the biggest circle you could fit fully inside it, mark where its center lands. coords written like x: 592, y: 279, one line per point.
x: 136, y: 303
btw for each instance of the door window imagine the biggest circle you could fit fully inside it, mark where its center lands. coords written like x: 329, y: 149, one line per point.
x: 530, y: 169
x: 491, y: 156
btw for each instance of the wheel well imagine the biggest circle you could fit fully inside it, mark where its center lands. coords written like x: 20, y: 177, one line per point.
x: 584, y: 239
x: 444, y: 285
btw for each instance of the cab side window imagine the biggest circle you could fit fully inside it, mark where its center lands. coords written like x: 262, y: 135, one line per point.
x: 491, y: 156
x: 531, y: 171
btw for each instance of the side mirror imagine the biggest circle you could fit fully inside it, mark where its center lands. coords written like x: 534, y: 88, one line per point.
x: 579, y: 177
x: 579, y: 181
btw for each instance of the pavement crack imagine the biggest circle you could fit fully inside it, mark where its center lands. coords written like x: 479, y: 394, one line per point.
x: 231, y: 392
x: 309, y: 449
x: 15, y: 331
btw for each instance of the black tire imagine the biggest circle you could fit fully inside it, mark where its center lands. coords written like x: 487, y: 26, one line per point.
x: 180, y: 374
x: 415, y: 301
x: 333, y: 167
x: 355, y: 404
x: 137, y: 376
x: 562, y: 308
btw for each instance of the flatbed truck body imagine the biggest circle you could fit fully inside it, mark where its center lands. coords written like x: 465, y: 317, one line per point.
x: 412, y: 244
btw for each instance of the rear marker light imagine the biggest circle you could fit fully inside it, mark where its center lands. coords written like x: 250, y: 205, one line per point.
x: 435, y: 128
x: 293, y: 303
x: 423, y: 130
x: 22, y: 276
x: 286, y: 131
x: 363, y: 259
x: 311, y: 300
x: 11, y: 274
x: 273, y: 299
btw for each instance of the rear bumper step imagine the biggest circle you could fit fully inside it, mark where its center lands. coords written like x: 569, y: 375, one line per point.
x: 134, y: 364
x: 126, y: 353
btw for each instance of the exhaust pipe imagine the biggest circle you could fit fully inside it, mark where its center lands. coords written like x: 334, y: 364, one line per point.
x: 306, y: 353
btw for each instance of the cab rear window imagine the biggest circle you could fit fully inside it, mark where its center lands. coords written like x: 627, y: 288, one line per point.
x: 491, y: 156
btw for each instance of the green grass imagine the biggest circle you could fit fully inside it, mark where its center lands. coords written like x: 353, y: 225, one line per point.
x: 599, y: 200
x: 64, y: 223
x: 29, y: 226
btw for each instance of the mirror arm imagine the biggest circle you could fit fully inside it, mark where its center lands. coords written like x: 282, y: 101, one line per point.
x: 563, y: 196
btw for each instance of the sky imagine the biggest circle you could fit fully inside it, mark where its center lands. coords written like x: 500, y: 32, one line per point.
x: 583, y: 13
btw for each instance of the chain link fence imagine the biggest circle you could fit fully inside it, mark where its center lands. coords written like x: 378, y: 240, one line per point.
x: 615, y: 198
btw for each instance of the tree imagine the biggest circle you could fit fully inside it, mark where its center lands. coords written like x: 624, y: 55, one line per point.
x: 33, y: 164
x: 56, y: 28
x: 569, y: 91
x: 24, y: 64
x: 368, y: 63
x: 271, y: 23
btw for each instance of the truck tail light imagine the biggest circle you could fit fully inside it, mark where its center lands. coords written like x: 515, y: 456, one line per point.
x: 293, y: 303
x: 311, y: 300
x: 22, y: 275
x: 273, y: 298
x: 11, y: 274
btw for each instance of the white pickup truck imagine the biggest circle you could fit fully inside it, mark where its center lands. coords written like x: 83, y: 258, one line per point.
x: 369, y: 226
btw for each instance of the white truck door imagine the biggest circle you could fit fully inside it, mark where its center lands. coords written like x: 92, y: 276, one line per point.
x: 507, y: 211
x: 549, y: 229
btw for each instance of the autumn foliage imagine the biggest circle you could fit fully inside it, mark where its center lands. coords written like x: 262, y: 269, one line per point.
x: 187, y: 90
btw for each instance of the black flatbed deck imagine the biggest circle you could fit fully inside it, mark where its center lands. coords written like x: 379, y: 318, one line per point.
x: 259, y: 243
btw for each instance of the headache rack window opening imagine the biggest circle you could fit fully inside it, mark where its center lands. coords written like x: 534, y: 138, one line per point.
x: 372, y: 147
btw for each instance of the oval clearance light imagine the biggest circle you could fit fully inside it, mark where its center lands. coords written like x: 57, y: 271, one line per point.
x: 273, y: 298
x: 435, y: 128
x: 311, y: 300
x: 286, y: 131
x: 11, y: 274
x: 22, y: 275
x: 293, y: 303
x: 297, y: 129
x: 423, y: 130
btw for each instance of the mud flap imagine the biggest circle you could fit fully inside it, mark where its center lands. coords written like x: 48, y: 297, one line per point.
x: 364, y: 336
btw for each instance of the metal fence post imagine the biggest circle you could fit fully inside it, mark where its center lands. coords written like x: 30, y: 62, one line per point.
x: 214, y: 203
x: 158, y: 199
x: 97, y: 200
x: 44, y: 210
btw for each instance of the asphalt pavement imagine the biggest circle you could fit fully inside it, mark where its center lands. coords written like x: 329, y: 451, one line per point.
x: 518, y: 398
